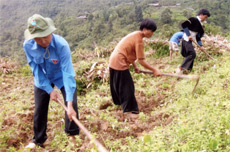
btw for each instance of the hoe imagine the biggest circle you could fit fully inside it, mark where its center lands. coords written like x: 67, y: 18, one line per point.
x: 192, y: 77
x: 100, y: 147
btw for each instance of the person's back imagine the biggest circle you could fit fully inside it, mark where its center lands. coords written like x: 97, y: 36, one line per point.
x: 127, y: 51
x: 177, y: 37
x: 174, y: 43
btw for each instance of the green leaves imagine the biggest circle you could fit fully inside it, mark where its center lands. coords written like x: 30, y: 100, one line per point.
x: 147, y: 138
x: 213, y: 144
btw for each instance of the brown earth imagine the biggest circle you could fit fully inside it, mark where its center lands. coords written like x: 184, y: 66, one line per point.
x: 22, y: 122
x: 101, y: 127
x: 12, y: 82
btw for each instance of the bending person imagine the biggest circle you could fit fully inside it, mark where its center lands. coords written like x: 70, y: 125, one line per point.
x: 127, y: 51
x: 49, y: 57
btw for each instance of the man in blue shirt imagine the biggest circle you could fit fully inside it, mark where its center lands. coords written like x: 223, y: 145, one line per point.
x: 49, y: 58
x: 174, y: 43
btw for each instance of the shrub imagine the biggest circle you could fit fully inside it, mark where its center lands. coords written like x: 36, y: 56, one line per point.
x: 161, y: 48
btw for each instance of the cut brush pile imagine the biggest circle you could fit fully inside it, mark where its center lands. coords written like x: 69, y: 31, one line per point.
x: 7, y: 66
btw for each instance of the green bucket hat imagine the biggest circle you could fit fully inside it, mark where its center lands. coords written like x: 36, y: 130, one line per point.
x: 38, y: 26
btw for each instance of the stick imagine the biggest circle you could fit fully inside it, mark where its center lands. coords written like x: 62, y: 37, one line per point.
x: 100, y: 147
x: 192, y: 77
x: 197, y: 81
x: 204, y: 51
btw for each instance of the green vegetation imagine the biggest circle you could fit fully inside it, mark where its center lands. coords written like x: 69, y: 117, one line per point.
x: 82, y: 23
x: 202, y: 120
x: 171, y: 119
x: 161, y: 49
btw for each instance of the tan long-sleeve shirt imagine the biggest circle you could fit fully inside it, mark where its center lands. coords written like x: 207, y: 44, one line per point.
x: 129, y: 49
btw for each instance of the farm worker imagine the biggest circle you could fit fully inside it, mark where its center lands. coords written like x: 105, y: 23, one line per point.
x: 49, y: 57
x: 193, y: 31
x: 127, y: 51
x: 174, y: 43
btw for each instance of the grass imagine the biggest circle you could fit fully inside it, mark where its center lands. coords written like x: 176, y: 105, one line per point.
x: 200, y: 121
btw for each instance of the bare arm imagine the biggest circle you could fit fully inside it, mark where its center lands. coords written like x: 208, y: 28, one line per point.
x: 135, y: 67
x: 148, y: 66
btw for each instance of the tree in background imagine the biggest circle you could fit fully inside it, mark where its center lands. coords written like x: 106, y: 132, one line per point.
x: 110, y: 25
x: 90, y: 17
x: 187, y: 14
x: 138, y: 12
x: 115, y: 16
x: 212, y: 28
x: 220, y: 11
x: 166, y: 16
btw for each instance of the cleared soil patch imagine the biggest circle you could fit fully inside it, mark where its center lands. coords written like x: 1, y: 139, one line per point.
x: 22, y: 123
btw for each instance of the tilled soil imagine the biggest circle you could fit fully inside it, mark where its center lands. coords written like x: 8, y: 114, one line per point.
x: 103, y: 128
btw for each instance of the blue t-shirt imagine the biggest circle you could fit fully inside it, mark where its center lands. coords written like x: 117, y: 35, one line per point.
x: 176, y: 37
x: 57, y: 69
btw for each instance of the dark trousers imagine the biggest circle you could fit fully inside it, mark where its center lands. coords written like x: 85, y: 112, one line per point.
x: 187, y: 51
x: 41, y: 113
x: 123, y: 91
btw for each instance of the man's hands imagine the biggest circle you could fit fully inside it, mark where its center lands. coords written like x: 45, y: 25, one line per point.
x: 137, y: 70
x: 190, y: 38
x: 54, y: 96
x: 70, y: 111
x: 157, y: 72
x: 202, y: 48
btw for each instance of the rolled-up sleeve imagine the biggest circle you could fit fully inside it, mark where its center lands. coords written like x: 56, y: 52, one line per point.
x: 67, y: 72
x: 139, y: 47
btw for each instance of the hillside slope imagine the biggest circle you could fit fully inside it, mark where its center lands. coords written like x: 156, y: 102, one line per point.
x: 84, y: 23
x: 171, y: 118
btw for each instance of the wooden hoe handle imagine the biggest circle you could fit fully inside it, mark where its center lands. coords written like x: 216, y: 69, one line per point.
x: 206, y: 53
x: 100, y: 147
x: 192, y: 77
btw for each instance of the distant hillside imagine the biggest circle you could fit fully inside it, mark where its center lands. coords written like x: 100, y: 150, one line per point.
x: 89, y: 22
x: 14, y: 15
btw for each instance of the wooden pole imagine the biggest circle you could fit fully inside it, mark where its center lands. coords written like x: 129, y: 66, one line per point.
x: 192, y: 77
x: 100, y: 147
x: 206, y: 53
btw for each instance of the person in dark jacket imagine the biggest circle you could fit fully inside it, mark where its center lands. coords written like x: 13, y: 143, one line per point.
x: 193, y: 31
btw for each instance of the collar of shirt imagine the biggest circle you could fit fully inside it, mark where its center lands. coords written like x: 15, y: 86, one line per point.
x: 52, y: 42
x: 202, y: 23
x: 36, y: 46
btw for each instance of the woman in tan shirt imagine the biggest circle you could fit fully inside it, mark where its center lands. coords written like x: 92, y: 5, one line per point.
x: 127, y: 51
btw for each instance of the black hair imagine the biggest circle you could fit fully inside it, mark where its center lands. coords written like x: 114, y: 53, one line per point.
x: 149, y: 24
x: 204, y: 12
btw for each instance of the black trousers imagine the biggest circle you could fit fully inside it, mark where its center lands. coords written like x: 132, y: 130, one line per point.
x: 122, y: 90
x: 41, y: 113
x: 187, y: 51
